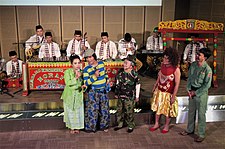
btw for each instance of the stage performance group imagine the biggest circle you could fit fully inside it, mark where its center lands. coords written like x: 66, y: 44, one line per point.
x: 92, y: 113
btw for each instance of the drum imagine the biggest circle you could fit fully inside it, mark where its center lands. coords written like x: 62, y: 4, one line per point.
x: 14, y: 82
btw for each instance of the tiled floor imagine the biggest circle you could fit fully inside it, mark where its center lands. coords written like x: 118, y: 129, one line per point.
x: 141, y: 138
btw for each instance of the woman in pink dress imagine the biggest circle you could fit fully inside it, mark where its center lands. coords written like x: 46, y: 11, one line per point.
x: 165, y: 89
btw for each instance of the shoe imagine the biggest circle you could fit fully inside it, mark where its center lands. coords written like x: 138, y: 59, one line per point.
x: 185, y: 133
x: 153, y: 129
x: 199, y: 139
x: 130, y: 130
x: 117, y: 128
x: 164, y: 131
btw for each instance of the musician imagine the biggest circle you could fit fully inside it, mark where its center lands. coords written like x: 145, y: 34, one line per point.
x: 191, y: 50
x: 49, y: 48
x: 105, y: 49
x: 2, y: 69
x: 154, y: 42
x: 77, y: 45
x: 34, y: 42
x: 14, y: 66
x: 127, y: 45
x: 2, y: 65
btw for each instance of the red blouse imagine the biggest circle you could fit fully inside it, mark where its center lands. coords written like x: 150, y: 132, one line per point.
x: 167, y: 78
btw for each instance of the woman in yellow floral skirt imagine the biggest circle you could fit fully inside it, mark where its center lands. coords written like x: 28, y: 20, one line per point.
x: 165, y: 89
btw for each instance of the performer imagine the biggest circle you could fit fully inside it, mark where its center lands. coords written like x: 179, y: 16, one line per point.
x: 72, y: 96
x: 154, y: 42
x: 127, y: 91
x: 191, y: 50
x: 97, y: 103
x: 106, y: 49
x: 198, y: 84
x: 126, y: 46
x: 49, y: 48
x: 3, y: 73
x: 2, y: 65
x: 34, y: 42
x: 165, y: 89
x: 77, y: 45
x: 14, y: 66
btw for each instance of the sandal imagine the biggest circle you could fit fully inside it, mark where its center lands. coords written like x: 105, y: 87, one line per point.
x: 185, y: 133
x: 153, y: 128
x: 164, y: 131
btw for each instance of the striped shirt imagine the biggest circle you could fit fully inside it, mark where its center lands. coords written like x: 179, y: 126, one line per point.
x: 91, y: 80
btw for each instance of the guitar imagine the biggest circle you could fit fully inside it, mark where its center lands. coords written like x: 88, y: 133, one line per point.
x: 32, y: 50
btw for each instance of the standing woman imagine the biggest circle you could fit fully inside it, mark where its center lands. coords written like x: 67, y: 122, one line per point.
x: 165, y: 89
x: 73, y: 96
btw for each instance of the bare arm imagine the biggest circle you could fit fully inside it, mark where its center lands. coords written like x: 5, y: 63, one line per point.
x: 177, y: 83
x: 156, y: 83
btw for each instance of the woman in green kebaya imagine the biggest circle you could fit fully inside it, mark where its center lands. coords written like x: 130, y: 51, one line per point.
x: 73, y: 96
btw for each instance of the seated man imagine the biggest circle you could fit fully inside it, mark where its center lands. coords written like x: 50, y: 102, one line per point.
x: 127, y: 46
x: 2, y: 65
x: 49, y: 48
x: 14, y: 66
x: 192, y: 49
x: 77, y: 45
x: 105, y: 49
x: 154, y: 42
x: 34, y: 42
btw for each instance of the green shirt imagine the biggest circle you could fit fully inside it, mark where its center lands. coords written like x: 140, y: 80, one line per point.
x: 72, y: 95
x: 199, y: 77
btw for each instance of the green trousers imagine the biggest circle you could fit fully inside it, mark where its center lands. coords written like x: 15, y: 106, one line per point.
x: 197, y: 105
x: 125, y: 112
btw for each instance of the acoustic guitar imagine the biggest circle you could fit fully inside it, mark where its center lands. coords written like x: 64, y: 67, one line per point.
x: 31, y: 51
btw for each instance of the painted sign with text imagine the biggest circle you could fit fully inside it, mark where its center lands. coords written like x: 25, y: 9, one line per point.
x: 46, y: 78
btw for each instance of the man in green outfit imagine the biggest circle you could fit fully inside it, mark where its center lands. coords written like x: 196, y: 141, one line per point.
x: 199, y: 81
x: 127, y: 91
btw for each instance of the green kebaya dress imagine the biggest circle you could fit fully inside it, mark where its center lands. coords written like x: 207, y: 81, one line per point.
x: 72, y: 97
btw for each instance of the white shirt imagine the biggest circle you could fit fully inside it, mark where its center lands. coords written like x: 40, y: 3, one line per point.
x: 193, y: 55
x: 9, y: 67
x: 77, y: 46
x: 123, y: 46
x: 2, y: 65
x: 112, y: 50
x: 32, y: 42
x: 150, y: 45
x: 42, y: 53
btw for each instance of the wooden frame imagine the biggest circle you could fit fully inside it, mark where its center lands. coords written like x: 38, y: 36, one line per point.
x: 194, y: 26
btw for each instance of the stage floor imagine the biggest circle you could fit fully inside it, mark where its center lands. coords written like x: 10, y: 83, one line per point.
x: 54, y: 96
x: 33, y: 111
x: 141, y: 138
